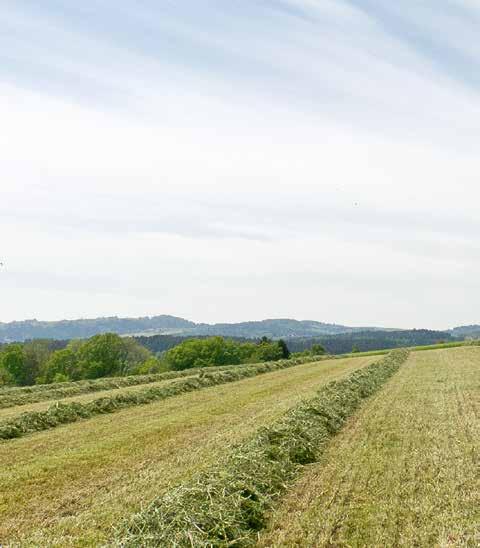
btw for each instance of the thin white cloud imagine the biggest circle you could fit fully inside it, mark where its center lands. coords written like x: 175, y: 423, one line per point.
x: 251, y: 160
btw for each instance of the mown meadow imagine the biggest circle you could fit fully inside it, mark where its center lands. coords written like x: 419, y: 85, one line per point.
x: 403, y: 472
x: 74, y: 484
x: 362, y: 450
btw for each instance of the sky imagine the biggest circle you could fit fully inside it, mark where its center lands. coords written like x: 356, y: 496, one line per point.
x: 239, y: 160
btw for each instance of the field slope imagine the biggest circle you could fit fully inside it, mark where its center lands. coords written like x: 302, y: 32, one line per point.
x: 403, y: 472
x: 70, y: 486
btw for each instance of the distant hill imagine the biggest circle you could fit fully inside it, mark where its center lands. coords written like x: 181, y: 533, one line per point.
x: 80, y: 329
x: 167, y: 325
x: 171, y: 325
x: 274, y: 328
x: 466, y: 331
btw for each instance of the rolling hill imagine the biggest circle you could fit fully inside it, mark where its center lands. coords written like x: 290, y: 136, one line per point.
x: 164, y: 324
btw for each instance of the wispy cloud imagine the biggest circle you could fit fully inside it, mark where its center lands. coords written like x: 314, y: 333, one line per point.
x: 199, y: 149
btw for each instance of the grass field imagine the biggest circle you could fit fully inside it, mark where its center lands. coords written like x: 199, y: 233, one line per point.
x: 62, y: 413
x: 22, y: 395
x: 403, y: 472
x: 71, y: 485
x: 14, y: 411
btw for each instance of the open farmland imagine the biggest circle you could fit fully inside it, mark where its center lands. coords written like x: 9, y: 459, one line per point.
x: 385, y: 455
x: 71, y: 485
x: 64, y: 413
x: 405, y: 470
x: 16, y: 410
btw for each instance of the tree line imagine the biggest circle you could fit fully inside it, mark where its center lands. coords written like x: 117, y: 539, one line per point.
x: 44, y: 361
x: 365, y: 341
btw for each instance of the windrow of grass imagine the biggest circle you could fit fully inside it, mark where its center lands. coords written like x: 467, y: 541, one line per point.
x: 64, y: 413
x: 22, y: 395
x: 9, y: 413
x: 227, y: 505
x: 16, y: 395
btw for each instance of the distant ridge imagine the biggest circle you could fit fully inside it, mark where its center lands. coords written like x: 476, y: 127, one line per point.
x: 84, y: 328
x: 466, y: 331
x: 172, y: 325
x: 164, y: 324
x: 276, y: 328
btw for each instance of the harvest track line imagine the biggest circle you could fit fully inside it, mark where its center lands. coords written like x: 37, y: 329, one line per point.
x: 16, y: 396
x: 59, y: 413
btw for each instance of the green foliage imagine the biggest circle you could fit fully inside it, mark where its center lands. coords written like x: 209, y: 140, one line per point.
x: 102, y: 355
x: 61, y: 364
x: 151, y: 366
x: 267, y: 351
x: 22, y: 364
x: 228, y: 504
x: 216, y: 351
x: 317, y: 350
x: 202, y: 353
x: 12, y: 362
x: 108, y: 355
x: 285, y: 350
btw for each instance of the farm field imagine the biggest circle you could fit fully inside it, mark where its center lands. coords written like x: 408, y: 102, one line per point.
x: 404, y: 471
x: 70, y: 486
x: 14, y: 411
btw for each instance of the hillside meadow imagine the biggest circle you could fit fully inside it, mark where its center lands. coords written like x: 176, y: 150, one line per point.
x: 365, y: 450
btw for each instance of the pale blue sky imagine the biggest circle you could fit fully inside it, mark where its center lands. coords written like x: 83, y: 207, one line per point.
x: 231, y: 160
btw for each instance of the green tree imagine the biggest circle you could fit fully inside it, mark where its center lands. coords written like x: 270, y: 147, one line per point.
x: 317, y: 350
x: 267, y: 352
x: 152, y: 365
x: 285, y: 351
x: 37, y: 353
x: 206, y: 352
x: 62, y: 363
x: 13, y: 362
x: 109, y: 355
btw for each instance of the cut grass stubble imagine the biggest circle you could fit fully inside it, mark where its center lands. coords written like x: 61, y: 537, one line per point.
x: 404, y: 472
x: 228, y: 505
x: 64, y: 413
x: 69, y: 486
